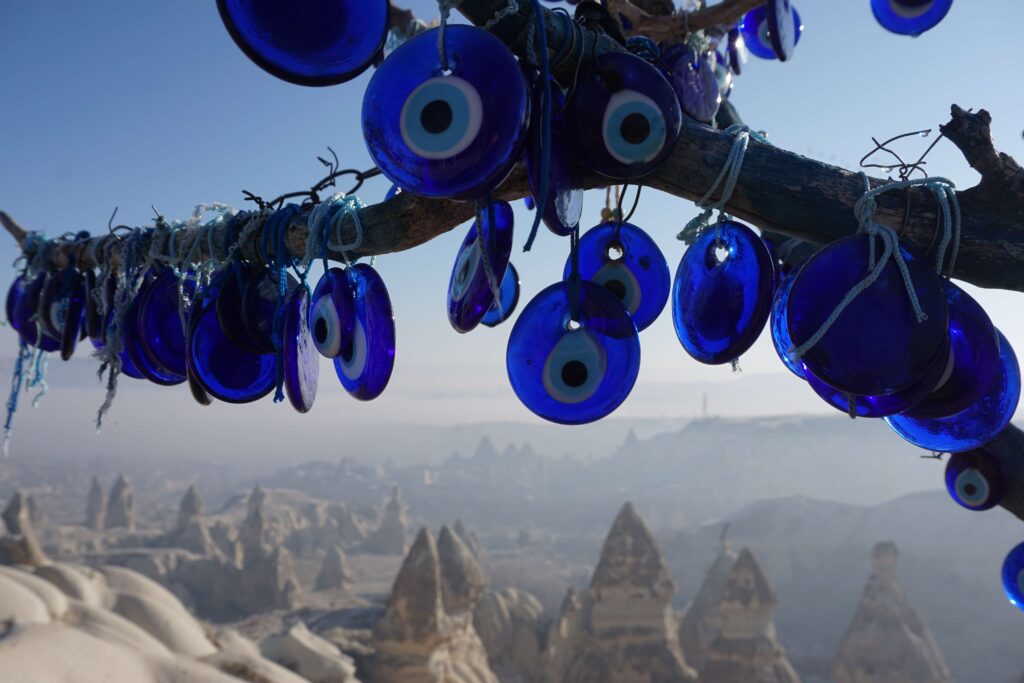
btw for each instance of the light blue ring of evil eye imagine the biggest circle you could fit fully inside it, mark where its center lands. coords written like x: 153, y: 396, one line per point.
x: 620, y: 106
x: 466, y: 112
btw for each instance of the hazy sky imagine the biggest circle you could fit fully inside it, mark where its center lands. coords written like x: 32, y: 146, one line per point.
x: 132, y: 104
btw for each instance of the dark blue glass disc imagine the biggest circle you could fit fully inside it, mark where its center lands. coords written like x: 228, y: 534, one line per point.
x: 364, y: 365
x: 73, y: 316
x: 756, y: 28
x: 470, y: 294
x: 877, y: 346
x: 722, y: 293
x: 231, y: 309
x: 910, y: 17
x: 134, y: 340
x: 51, y: 307
x: 737, y: 51
x: 260, y: 302
x: 693, y: 79
x: 162, y: 339
x: 624, y: 259
x: 873, y: 406
x: 564, y: 204
x: 625, y: 116
x: 509, y: 299
x: 1013, y: 576
x: 455, y: 135
x: 14, y: 296
x: 309, y: 42
x: 93, y: 312
x: 976, y: 425
x: 975, y: 480
x: 333, y: 316
x: 25, y: 309
x: 301, y: 359
x: 779, y: 328
x: 567, y: 373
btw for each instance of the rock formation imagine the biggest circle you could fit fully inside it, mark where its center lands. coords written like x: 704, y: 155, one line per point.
x: 509, y: 623
x: 469, y: 539
x: 309, y: 655
x: 35, y: 513
x: 462, y: 579
x: 16, y: 515
x: 191, y: 533
x: 21, y: 545
x: 746, y: 649
x: 96, y: 507
x: 390, y: 538
x: 121, y: 506
x: 628, y: 632
x: 887, y: 642
x: 417, y: 641
x: 702, y: 621
x: 252, y: 535
x: 334, y: 572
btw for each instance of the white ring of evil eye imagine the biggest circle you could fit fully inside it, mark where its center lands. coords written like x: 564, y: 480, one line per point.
x: 441, y: 117
x: 972, y: 476
x: 330, y: 344
x: 616, y: 272
x: 626, y: 103
x: 575, y: 368
x: 353, y: 366
x: 465, y: 268
x: 909, y: 11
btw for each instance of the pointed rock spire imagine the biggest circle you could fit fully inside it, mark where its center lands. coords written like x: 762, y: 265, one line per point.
x: 253, y: 531
x: 631, y: 561
x: 414, y: 611
x: 191, y: 508
x: 462, y: 579
x: 192, y: 533
x: 334, y: 572
x: 96, y: 507
x: 121, y: 506
x: 21, y: 546
x: 702, y: 622
x: 35, y: 513
x: 469, y: 539
x: 390, y: 538
x: 16, y: 514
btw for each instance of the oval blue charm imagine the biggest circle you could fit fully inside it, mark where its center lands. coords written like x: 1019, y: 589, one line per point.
x: 93, y: 317
x: 308, y: 42
x: 260, y: 302
x: 501, y: 310
x: 73, y: 316
x: 625, y: 116
x: 25, y: 309
x: 487, y: 247
x: 910, y: 17
x: 1013, y: 576
x: 564, y: 204
x: 301, y: 359
x: 722, y: 293
x: 447, y: 135
x: 624, y: 259
x: 365, y: 364
x: 760, y: 36
x: 876, y: 346
x: 975, y: 480
x: 162, y: 339
x: 231, y: 307
x: 693, y: 79
x: 974, y: 426
x: 573, y: 372
x: 134, y: 340
x: 780, y: 329
x: 333, y: 316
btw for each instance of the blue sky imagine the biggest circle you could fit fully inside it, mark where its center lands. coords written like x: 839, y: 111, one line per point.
x: 137, y: 104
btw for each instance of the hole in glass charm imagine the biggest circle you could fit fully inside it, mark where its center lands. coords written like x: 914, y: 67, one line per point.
x: 975, y: 480
x: 489, y: 245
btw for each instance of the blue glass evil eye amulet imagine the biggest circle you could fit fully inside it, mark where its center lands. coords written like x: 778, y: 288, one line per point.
x: 722, y: 293
x: 910, y: 17
x: 772, y: 31
x: 454, y: 134
x: 364, y: 365
x: 334, y: 315
x: 501, y: 310
x: 625, y: 116
x: 1013, y: 576
x: 301, y: 359
x: 624, y: 259
x: 975, y: 480
x: 573, y: 367
x: 309, y: 42
x: 159, y: 324
x: 483, y: 255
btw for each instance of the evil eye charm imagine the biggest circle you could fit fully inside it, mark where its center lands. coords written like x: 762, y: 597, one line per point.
x: 974, y: 426
x: 260, y: 302
x: 780, y: 330
x: 447, y: 134
x: 333, y: 315
x: 623, y: 259
x: 625, y: 116
x: 159, y: 323
x: 772, y: 31
x: 722, y: 293
x: 93, y: 317
x: 134, y: 340
x: 502, y: 309
x: 25, y: 320
x: 975, y: 480
x: 877, y: 345
x: 73, y: 316
x: 1013, y: 576
x: 573, y: 371
x: 308, y: 42
x: 300, y: 357
x: 230, y: 305
x: 694, y: 82
x: 910, y: 17
x: 365, y: 363
x: 482, y: 257
x: 564, y: 204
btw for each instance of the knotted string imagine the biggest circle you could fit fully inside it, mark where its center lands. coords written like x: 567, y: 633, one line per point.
x: 508, y: 10
x: 537, y: 29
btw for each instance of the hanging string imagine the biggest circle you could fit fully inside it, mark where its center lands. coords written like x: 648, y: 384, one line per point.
x: 17, y: 382
x: 537, y: 29
x: 508, y: 10
x: 445, y: 7
x: 485, y: 211
x: 40, y: 363
x: 574, y: 279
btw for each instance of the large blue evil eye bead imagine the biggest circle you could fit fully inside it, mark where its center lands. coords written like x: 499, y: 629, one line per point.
x: 159, y: 323
x: 483, y: 257
x: 309, y: 42
x: 502, y: 309
x: 134, y: 340
x: 974, y: 426
x: 877, y: 345
x: 365, y: 363
x: 333, y: 316
x: 722, y: 293
x: 780, y: 329
x: 301, y: 360
x: 624, y: 259
x: 772, y: 31
x: 625, y: 116
x: 975, y: 480
x: 454, y: 134
x: 564, y: 204
x: 1013, y: 576
x: 910, y: 17
x: 573, y: 371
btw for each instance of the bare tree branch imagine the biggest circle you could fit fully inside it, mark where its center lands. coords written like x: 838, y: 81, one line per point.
x: 644, y: 21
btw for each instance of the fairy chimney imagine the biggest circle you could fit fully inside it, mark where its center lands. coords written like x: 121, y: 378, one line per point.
x: 35, y: 513
x: 252, y: 535
x: 96, y: 507
x: 702, y: 621
x: 192, y: 533
x: 390, y: 538
x: 334, y: 572
x: 462, y: 579
x: 20, y: 546
x: 887, y: 642
x: 469, y: 539
x: 121, y: 505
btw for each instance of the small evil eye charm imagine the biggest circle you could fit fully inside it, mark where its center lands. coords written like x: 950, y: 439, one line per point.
x: 333, y: 317
x: 910, y: 17
x: 573, y: 368
x: 301, y: 360
x: 623, y: 259
x: 975, y: 480
x: 481, y: 261
x: 564, y: 204
x: 73, y: 315
x: 625, y: 116
x: 505, y: 306
x: 722, y: 293
x: 694, y: 82
x: 1013, y: 576
x: 25, y: 320
x: 447, y: 134
x: 365, y: 363
x: 159, y: 324
x: 308, y: 42
x: 135, y: 341
x: 772, y: 31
